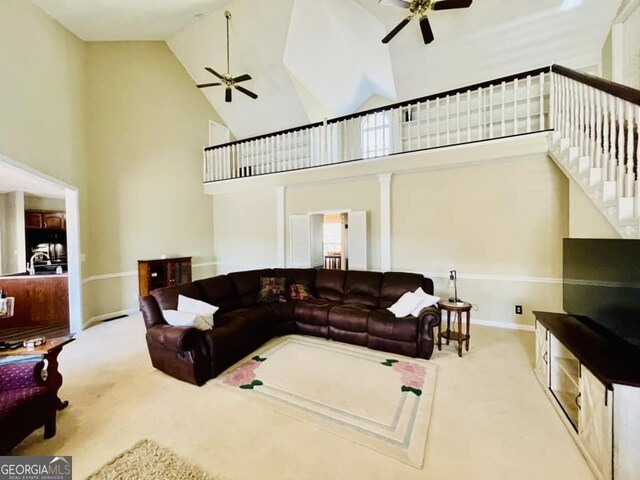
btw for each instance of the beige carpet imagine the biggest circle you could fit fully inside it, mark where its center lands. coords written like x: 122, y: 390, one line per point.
x: 490, y: 419
x: 147, y: 460
x: 376, y: 399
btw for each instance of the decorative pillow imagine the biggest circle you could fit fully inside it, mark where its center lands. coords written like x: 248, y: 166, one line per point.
x: 186, y: 319
x: 427, y: 301
x: 299, y: 291
x: 272, y: 289
x: 405, y: 305
x: 204, y: 309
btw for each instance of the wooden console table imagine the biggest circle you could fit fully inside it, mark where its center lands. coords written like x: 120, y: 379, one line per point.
x: 593, y: 380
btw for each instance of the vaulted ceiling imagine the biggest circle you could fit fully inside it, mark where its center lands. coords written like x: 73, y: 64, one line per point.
x: 312, y: 59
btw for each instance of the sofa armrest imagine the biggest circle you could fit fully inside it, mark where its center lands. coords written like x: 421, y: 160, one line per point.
x: 429, y: 318
x: 175, y: 338
x: 151, y: 312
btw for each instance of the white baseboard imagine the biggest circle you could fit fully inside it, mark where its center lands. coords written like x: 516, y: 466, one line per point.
x: 99, y: 318
x: 504, y: 325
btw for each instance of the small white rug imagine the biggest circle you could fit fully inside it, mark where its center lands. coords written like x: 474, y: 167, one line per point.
x: 380, y: 400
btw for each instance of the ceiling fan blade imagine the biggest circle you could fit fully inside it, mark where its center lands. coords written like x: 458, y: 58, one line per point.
x: 246, y: 92
x: 450, y: 4
x: 228, y: 95
x: 205, y: 85
x: 242, y: 78
x: 427, y: 33
x: 396, y: 30
x: 395, y: 3
x: 212, y: 71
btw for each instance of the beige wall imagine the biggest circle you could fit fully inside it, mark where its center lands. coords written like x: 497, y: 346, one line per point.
x: 586, y: 221
x: 244, y: 230
x: 147, y: 124
x: 32, y: 202
x: 499, y: 222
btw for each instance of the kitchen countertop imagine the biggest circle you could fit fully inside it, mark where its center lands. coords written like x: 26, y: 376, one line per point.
x: 19, y: 276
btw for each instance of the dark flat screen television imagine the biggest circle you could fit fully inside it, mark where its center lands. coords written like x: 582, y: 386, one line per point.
x: 601, y: 281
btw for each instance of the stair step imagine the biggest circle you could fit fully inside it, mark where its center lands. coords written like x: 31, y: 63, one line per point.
x: 595, y: 176
x: 626, y: 208
x: 609, y: 191
x: 584, y: 164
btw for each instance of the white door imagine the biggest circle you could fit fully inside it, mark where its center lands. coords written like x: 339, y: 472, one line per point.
x: 596, y: 422
x: 316, y: 223
x: 542, y: 354
x: 357, y: 240
x: 299, y: 241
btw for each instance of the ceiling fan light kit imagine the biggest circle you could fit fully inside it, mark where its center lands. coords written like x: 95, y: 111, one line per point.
x: 419, y: 8
x: 229, y: 81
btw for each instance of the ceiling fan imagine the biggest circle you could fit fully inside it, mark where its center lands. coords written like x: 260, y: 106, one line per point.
x: 421, y: 7
x: 227, y: 79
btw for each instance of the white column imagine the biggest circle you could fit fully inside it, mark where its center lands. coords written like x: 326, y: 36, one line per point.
x: 385, y: 221
x: 280, y: 225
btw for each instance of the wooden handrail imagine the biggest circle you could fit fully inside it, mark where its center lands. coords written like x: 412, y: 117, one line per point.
x: 405, y: 103
x: 616, y: 89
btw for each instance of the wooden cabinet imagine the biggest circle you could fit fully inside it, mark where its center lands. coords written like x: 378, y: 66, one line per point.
x: 594, y: 384
x: 39, y: 219
x: 160, y: 273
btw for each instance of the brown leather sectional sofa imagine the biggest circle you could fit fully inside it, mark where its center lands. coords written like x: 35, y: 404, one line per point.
x: 349, y: 307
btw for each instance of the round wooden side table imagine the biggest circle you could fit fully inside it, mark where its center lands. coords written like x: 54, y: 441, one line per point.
x: 462, y: 338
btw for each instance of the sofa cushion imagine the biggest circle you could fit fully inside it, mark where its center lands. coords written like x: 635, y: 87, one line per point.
x: 363, y: 288
x: 314, y: 312
x: 306, y: 276
x: 219, y: 291
x: 247, y: 284
x: 272, y: 289
x: 350, y: 317
x: 384, y: 324
x: 409, y: 349
x: 396, y: 284
x: 167, y: 297
x: 330, y: 284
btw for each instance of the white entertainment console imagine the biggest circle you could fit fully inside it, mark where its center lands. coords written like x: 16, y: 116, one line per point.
x: 594, y: 383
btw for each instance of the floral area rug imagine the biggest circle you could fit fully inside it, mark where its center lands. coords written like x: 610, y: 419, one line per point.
x: 376, y: 399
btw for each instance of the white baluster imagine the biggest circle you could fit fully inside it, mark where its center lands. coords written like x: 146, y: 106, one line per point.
x: 480, y: 115
x: 630, y: 152
x: 598, y: 136
x: 591, y: 129
x: 503, y: 108
x: 490, y: 111
x: 428, y: 126
x: 448, y: 121
x: 543, y: 76
x: 567, y: 108
x: 468, y: 115
x: 438, y: 122
x: 528, y: 105
x: 621, y: 147
x: 458, y: 117
x: 613, y: 157
x: 515, y: 106
x: 606, y: 153
x: 419, y: 125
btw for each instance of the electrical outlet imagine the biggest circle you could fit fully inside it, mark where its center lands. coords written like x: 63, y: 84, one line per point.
x: 518, y: 309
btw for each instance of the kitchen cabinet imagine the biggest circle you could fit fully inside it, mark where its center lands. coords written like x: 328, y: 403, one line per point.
x: 44, y: 219
x: 162, y: 272
x: 39, y: 300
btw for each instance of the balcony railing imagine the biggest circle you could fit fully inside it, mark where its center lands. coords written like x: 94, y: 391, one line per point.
x: 513, y: 105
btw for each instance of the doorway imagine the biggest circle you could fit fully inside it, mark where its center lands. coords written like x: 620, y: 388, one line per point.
x: 334, y: 241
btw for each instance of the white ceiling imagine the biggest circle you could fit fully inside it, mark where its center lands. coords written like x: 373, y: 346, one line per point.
x: 312, y: 59
x: 110, y: 20
x: 15, y: 180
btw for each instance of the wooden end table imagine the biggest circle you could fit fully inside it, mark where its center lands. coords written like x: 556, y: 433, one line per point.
x: 48, y: 351
x: 462, y: 338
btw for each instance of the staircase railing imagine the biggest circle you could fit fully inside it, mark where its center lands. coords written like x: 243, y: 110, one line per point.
x: 597, y: 125
x: 508, y: 106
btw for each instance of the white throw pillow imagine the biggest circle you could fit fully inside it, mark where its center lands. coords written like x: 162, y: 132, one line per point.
x: 204, y: 309
x: 405, y: 305
x: 426, y: 301
x: 185, y: 319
